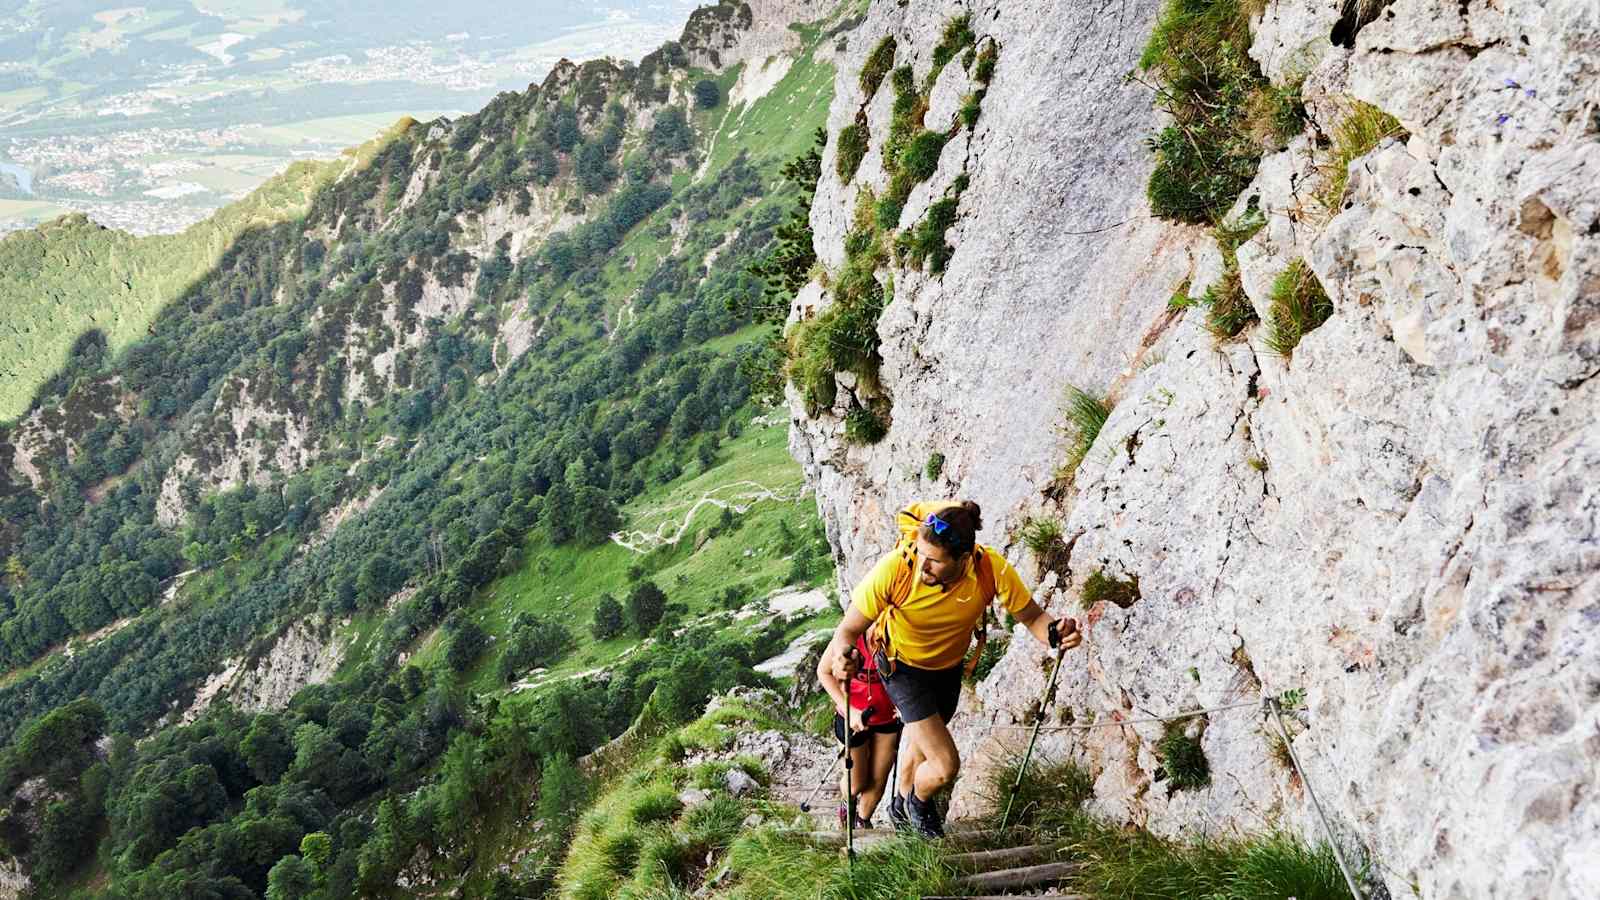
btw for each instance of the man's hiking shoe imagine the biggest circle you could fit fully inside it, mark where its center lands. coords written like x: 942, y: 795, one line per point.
x: 924, y: 816
x: 863, y: 823
x: 897, y: 814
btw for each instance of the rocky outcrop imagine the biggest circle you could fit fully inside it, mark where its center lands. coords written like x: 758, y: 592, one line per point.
x: 307, y: 653
x: 730, y: 32
x: 1397, y: 520
x: 252, y: 437
x: 13, y: 881
x: 52, y: 435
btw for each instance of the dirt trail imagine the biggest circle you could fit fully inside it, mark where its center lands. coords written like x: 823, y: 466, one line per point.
x: 642, y: 542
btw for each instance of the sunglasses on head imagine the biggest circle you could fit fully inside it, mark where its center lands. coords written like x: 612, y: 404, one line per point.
x: 937, y: 524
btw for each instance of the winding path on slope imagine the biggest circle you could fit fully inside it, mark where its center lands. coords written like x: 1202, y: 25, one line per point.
x: 642, y: 542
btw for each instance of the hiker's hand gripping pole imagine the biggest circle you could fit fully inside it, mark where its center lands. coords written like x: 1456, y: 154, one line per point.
x: 848, y: 664
x: 1062, y: 643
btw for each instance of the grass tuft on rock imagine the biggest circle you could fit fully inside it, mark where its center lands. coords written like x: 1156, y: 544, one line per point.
x: 920, y: 158
x: 863, y: 425
x: 983, y: 69
x: 1117, y: 591
x: 957, y: 36
x: 1086, y: 415
x: 1357, y: 134
x: 1051, y: 793
x: 925, y: 243
x: 851, y: 150
x: 972, y: 108
x: 1041, y: 534
x: 1183, y: 759
x: 993, y: 650
x: 1297, y: 306
x: 1228, y: 309
x: 1218, y: 101
x: 877, y: 66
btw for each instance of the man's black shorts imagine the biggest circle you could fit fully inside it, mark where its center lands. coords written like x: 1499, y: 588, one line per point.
x: 922, y: 693
x: 860, y: 737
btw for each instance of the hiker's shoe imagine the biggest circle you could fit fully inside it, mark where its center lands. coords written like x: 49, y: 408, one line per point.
x: 863, y: 823
x: 897, y: 814
x: 924, y: 816
x: 844, y: 814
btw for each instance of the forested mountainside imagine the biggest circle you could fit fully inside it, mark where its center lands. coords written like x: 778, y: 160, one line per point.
x: 382, y: 447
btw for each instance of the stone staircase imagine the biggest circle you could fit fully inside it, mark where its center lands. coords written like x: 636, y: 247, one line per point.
x: 1013, y: 870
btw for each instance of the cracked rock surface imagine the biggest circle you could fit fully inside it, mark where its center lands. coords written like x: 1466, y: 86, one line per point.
x: 1401, y: 519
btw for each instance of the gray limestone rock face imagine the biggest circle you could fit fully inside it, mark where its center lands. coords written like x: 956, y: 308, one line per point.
x: 1398, y: 519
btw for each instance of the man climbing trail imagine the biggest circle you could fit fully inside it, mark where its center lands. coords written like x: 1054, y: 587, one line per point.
x: 864, y: 713
x: 918, y: 608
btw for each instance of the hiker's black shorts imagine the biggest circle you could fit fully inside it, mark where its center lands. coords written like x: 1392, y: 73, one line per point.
x: 922, y: 693
x: 860, y: 737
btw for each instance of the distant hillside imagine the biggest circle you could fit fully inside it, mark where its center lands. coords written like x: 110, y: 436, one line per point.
x: 74, y: 289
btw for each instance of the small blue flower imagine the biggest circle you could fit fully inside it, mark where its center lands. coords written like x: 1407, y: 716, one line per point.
x: 1512, y: 83
x: 1502, y: 119
x: 1530, y: 92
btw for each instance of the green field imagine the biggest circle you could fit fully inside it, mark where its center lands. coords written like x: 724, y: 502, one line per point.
x: 21, y: 97
x: 30, y: 210
x: 565, y: 583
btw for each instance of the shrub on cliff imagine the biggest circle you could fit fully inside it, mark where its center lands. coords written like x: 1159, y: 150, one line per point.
x: 852, y: 147
x: 1218, y: 101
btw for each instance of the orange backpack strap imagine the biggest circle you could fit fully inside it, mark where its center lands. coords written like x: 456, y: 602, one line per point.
x: 878, y: 638
x: 984, y: 570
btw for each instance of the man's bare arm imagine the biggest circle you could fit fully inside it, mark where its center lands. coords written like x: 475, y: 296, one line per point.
x: 1037, y: 621
x: 834, y: 667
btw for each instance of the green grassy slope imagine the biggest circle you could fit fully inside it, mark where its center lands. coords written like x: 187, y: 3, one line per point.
x: 753, y: 556
x: 70, y: 276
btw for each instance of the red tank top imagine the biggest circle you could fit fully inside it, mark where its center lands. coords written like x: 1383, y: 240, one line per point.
x: 867, y: 692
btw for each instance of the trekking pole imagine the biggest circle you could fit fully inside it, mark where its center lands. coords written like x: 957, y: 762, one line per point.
x: 1022, y: 771
x: 844, y: 752
x: 850, y: 810
x: 806, y: 805
x: 850, y: 790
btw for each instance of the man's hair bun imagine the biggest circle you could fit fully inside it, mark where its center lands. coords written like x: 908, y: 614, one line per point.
x: 977, y: 514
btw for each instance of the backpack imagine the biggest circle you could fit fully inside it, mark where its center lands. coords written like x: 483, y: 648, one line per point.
x: 905, y: 582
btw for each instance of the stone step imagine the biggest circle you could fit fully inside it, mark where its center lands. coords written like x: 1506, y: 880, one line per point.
x: 873, y: 835
x: 1008, y: 857
x: 1008, y: 896
x: 1024, y: 876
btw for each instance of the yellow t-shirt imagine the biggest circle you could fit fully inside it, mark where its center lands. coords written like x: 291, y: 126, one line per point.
x: 932, y: 627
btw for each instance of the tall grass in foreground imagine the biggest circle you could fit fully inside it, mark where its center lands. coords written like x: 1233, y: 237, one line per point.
x: 770, y: 866
x: 1125, y: 863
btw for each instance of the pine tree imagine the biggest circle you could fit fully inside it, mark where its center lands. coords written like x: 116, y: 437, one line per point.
x: 787, y: 267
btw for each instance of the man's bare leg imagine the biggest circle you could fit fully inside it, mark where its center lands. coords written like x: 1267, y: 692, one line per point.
x: 882, y: 758
x: 910, y: 757
x: 938, y: 761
